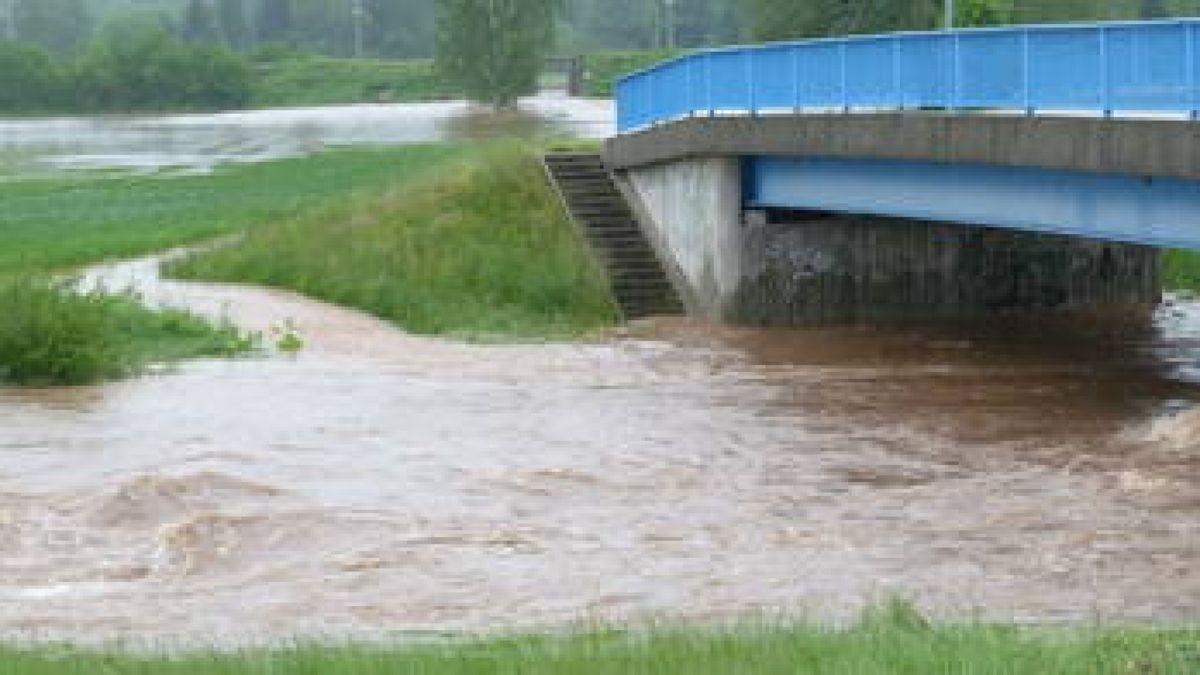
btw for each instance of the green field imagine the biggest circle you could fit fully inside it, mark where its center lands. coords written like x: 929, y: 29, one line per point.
x: 66, y: 222
x: 887, y: 645
x: 320, y: 80
x: 478, y: 248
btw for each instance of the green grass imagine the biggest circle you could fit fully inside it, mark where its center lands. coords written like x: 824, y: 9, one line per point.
x: 319, y: 80
x: 51, y: 335
x: 605, y: 68
x: 884, y: 646
x: 1181, y: 270
x: 477, y: 248
x: 61, y: 223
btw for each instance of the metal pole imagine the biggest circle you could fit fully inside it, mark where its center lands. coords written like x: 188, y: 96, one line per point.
x: 949, y: 20
x: 9, y: 16
x: 360, y: 15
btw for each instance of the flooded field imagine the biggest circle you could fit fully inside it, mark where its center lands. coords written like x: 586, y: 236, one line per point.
x: 199, y: 142
x: 379, y: 483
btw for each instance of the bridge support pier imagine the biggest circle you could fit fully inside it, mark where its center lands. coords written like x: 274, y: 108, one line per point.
x: 803, y: 267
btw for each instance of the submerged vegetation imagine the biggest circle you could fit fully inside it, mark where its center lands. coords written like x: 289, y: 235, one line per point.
x: 888, y: 641
x: 53, y: 335
x: 476, y: 247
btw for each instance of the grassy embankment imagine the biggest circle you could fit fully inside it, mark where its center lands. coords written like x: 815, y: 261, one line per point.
x: 605, y: 68
x: 52, y: 336
x: 1181, y: 271
x: 476, y: 248
x: 889, y: 642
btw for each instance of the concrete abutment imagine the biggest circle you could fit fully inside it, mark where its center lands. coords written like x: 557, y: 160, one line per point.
x: 800, y: 267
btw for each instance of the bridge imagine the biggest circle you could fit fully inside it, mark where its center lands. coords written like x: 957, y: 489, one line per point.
x: 916, y: 174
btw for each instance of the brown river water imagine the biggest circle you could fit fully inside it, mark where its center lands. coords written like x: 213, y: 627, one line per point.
x: 382, y: 484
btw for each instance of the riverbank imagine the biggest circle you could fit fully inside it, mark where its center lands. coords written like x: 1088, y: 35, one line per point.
x: 888, y: 641
x: 478, y: 248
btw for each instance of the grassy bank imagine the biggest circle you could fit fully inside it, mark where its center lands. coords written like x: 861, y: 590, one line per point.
x: 478, y: 247
x: 888, y: 644
x: 319, y: 80
x: 1181, y: 270
x: 52, y: 335
x: 605, y: 68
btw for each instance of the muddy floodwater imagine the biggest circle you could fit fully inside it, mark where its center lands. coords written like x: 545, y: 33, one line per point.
x: 379, y: 483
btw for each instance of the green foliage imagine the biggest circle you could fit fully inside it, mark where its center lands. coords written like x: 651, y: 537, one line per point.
x: 876, y: 648
x: 288, y: 79
x: 30, y: 80
x: 495, y: 49
x: 476, y: 247
x: 142, y: 66
x: 51, y: 335
x: 603, y: 69
x: 1181, y: 270
x: 785, y: 19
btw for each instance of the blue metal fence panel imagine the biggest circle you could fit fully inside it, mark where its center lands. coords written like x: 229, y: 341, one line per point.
x: 819, y: 75
x: 923, y: 63
x: 1099, y: 68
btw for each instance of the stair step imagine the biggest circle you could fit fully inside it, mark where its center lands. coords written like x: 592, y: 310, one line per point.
x: 639, y: 284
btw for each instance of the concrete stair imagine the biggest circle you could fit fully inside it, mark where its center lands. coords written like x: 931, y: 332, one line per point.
x: 639, y: 283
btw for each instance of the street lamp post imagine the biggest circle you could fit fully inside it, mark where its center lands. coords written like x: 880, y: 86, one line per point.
x: 360, y: 16
x: 8, y: 15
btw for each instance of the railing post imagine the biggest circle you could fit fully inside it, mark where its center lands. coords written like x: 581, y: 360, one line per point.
x: 956, y: 72
x: 897, y: 96
x: 842, y: 47
x: 1189, y: 41
x: 1105, y: 84
x: 750, y: 102
x: 795, y: 79
x: 1026, y: 75
x: 712, y: 110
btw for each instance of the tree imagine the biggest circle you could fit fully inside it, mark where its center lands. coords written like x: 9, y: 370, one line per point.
x: 60, y: 26
x: 201, y: 23
x: 494, y: 49
x: 138, y: 64
x: 782, y: 19
x: 29, y: 79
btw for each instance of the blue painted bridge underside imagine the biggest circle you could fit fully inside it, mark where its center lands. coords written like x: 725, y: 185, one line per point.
x: 1155, y: 211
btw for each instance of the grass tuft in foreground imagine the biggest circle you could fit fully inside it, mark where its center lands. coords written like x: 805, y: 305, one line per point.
x: 890, y: 641
x: 478, y: 248
x: 52, y: 336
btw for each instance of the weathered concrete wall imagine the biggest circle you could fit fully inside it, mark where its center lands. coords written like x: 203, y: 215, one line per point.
x: 805, y: 268
x: 692, y: 211
x: 814, y: 269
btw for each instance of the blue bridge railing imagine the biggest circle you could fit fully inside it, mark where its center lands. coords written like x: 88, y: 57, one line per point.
x: 1104, y: 68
